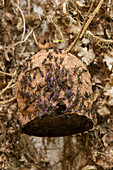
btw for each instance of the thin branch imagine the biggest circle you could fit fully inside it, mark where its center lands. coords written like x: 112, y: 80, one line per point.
x: 90, y: 34
x: 24, y: 26
x: 3, y: 2
x: 74, y: 42
x: 91, y: 17
x: 57, y: 27
x: 8, y: 101
x: 20, y: 42
x: 34, y: 36
x: 8, y: 74
x: 76, y: 8
x: 8, y: 86
x: 29, y: 6
x: 83, y: 29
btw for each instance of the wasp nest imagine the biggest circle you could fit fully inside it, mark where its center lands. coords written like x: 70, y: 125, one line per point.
x: 54, y: 94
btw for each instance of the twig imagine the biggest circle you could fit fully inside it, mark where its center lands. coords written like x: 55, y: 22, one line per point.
x: 91, y: 17
x: 58, y: 29
x: 34, y: 36
x: 20, y: 42
x: 24, y: 26
x: 3, y: 2
x: 29, y: 7
x: 76, y: 8
x: 90, y: 34
x: 8, y: 86
x: 74, y: 42
x: 8, y: 101
x: 8, y: 74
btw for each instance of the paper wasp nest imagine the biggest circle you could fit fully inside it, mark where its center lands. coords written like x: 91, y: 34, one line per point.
x: 54, y: 94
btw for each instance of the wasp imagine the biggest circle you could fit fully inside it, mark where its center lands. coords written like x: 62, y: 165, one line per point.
x: 80, y: 107
x: 44, y: 61
x: 25, y: 86
x: 20, y: 70
x: 31, y: 65
x: 61, y: 98
x: 79, y: 80
x: 75, y: 111
x: 29, y: 116
x: 87, y: 95
x: 66, y: 73
x: 46, y: 77
x: 55, y: 97
x: 61, y: 60
x: 42, y: 74
x: 63, y: 67
x: 21, y: 82
x: 27, y: 95
x: 30, y: 78
x: 29, y: 59
x: 50, y: 57
x: 75, y: 70
x: 75, y: 102
x: 38, y: 87
x: 48, y: 64
x: 50, y: 106
x: 39, y: 97
x: 56, y: 58
x: 51, y: 95
x: 45, y: 102
x: 26, y: 107
x: 25, y: 67
x: 58, y: 66
x: 70, y: 77
x: 44, y: 93
x: 49, y: 98
x: 47, y: 49
x: 85, y: 110
x: 34, y: 75
x: 56, y: 70
x: 60, y: 50
x: 35, y: 113
x: 49, y: 54
x: 66, y: 92
x: 29, y: 84
x: 64, y: 81
x: 84, y: 113
x: 71, y: 97
x: 29, y: 98
x: 55, y: 50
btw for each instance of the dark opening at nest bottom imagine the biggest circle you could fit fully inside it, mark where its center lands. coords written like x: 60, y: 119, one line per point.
x: 54, y: 126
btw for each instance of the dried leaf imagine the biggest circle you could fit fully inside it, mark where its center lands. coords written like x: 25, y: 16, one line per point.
x: 109, y: 96
x: 88, y: 56
x: 109, y: 61
x: 85, y: 41
x: 100, y: 162
x: 73, y: 29
x: 104, y: 140
x: 2, y: 85
x: 89, y: 167
x: 103, y: 110
x: 80, y: 4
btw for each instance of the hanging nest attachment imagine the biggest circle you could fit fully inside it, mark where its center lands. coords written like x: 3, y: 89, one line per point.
x: 54, y: 94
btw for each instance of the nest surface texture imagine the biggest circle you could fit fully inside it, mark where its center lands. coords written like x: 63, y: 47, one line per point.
x: 54, y: 94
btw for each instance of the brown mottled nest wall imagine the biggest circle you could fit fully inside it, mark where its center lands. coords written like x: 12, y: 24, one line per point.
x: 54, y: 94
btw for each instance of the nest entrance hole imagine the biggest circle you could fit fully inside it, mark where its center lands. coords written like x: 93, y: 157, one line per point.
x: 61, y: 107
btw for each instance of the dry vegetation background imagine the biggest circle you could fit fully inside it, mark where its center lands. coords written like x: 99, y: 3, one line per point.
x: 85, y: 28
